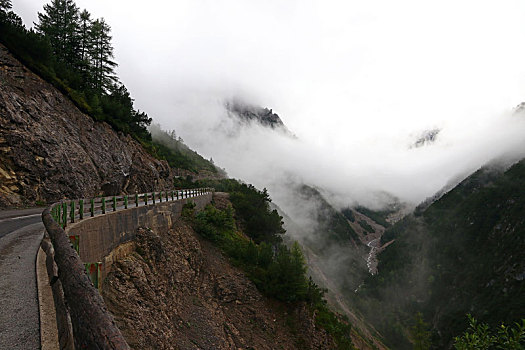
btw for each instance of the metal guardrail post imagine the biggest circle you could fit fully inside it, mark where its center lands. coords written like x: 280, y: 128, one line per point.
x: 145, y: 199
x: 114, y: 203
x: 160, y: 197
x: 72, y: 211
x: 153, y: 197
x: 136, y: 199
x: 126, y: 202
x: 81, y: 209
x: 64, y: 214
x: 92, y: 209
x: 103, y: 205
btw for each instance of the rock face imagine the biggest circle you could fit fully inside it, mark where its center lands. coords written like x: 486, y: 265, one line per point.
x: 177, y: 291
x: 250, y: 113
x: 426, y: 138
x: 50, y: 150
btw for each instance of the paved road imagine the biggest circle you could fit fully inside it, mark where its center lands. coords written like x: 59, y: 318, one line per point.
x: 20, y: 235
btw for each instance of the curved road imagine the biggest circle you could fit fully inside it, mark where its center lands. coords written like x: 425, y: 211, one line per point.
x: 20, y: 234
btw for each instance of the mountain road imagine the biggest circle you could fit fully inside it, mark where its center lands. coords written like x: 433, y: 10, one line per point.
x: 21, y: 232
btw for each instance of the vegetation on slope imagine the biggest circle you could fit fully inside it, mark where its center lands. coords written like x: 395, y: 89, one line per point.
x: 74, y: 52
x: 378, y: 216
x: 278, y: 271
x: 463, y: 254
x: 332, y: 223
x: 479, y: 336
x: 171, y: 148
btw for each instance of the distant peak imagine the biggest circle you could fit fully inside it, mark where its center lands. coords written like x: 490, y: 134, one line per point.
x: 519, y: 108
x: 250, y: 113
x: 426, y: 138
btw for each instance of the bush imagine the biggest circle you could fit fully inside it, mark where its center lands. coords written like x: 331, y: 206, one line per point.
x: 479, y: 337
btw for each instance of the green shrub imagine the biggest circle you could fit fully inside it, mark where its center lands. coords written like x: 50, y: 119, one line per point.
x: 479, y: 337
x: 188, y: 210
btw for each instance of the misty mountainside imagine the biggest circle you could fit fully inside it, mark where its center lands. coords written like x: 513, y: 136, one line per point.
x: 171, y: 148
x: 335, y: 244
x: 249, y: 113
x: 68, y: 130
x: 464, y: 253
x: 51, y: 150
x: 328, y: 235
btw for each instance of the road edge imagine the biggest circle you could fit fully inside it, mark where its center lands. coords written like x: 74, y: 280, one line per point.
x: 46, y: 305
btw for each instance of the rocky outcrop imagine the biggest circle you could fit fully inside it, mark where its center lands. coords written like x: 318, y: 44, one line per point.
x: 247, y: 113
x: 50, y: 150
x: 426, y: 138
x: 177, y: 291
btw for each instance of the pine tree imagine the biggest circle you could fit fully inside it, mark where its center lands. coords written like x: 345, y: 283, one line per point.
x: 8, y: 16
x: 419, y: 333
x: 5, y: 5
x: 85, y: 24
x: 101, y: 53
x: 60, y: 24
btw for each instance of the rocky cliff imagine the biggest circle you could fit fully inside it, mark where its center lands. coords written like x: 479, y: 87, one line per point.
x: 50, y: 150
x: 249, y: 113
x: 177, y: 291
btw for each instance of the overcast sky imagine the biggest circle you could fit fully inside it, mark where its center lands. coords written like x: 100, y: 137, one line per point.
x: 356, y: 81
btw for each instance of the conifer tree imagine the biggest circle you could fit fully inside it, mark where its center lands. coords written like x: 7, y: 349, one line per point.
x: 101, y: 54
x: 419, y: 333
x: 60, y: 23
x: 8, y: 16
x: 5, y: 5
x: 85, y: 24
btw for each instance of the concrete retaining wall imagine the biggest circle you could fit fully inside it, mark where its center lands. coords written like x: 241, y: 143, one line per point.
x: 103, y: 238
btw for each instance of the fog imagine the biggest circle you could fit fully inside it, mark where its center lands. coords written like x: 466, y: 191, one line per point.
x: 356, y: 82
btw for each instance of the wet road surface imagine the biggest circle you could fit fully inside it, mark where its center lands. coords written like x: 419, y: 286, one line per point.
x: 20, y: 234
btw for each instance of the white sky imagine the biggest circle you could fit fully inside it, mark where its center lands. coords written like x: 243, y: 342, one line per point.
x: 355, y: 80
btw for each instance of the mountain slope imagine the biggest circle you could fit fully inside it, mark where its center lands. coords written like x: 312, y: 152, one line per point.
x: 464, y: 254
x: 50, y: 150
x: 193, y: 298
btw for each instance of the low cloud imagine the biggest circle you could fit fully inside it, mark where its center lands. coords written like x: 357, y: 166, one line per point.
x: 357, y: 169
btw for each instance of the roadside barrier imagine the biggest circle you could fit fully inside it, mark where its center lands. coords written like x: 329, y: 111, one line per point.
x: 81, y: 312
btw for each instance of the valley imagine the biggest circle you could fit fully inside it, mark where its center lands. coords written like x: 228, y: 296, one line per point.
x: 339, y: 222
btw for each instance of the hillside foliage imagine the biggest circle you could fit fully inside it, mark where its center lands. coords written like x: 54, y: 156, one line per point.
x: 479, y: 336
x: 167, y: 146
x: 277, y: 270
x: 74, y: 52
x: 463, y: 254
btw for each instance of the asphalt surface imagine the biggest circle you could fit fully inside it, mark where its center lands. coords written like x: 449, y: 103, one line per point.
x: 20, y: 234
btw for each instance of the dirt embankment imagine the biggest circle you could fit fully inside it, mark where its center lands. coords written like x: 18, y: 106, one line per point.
x: 177, y: 291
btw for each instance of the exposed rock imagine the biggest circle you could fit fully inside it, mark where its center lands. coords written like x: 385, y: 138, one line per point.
x: 177, y: 291
x: 50, y: 150
x: 426, y: 138
x: 250, y: 113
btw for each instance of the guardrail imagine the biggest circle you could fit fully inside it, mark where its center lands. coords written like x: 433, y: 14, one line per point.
x: 71, y: 211
x: 92, y: 325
